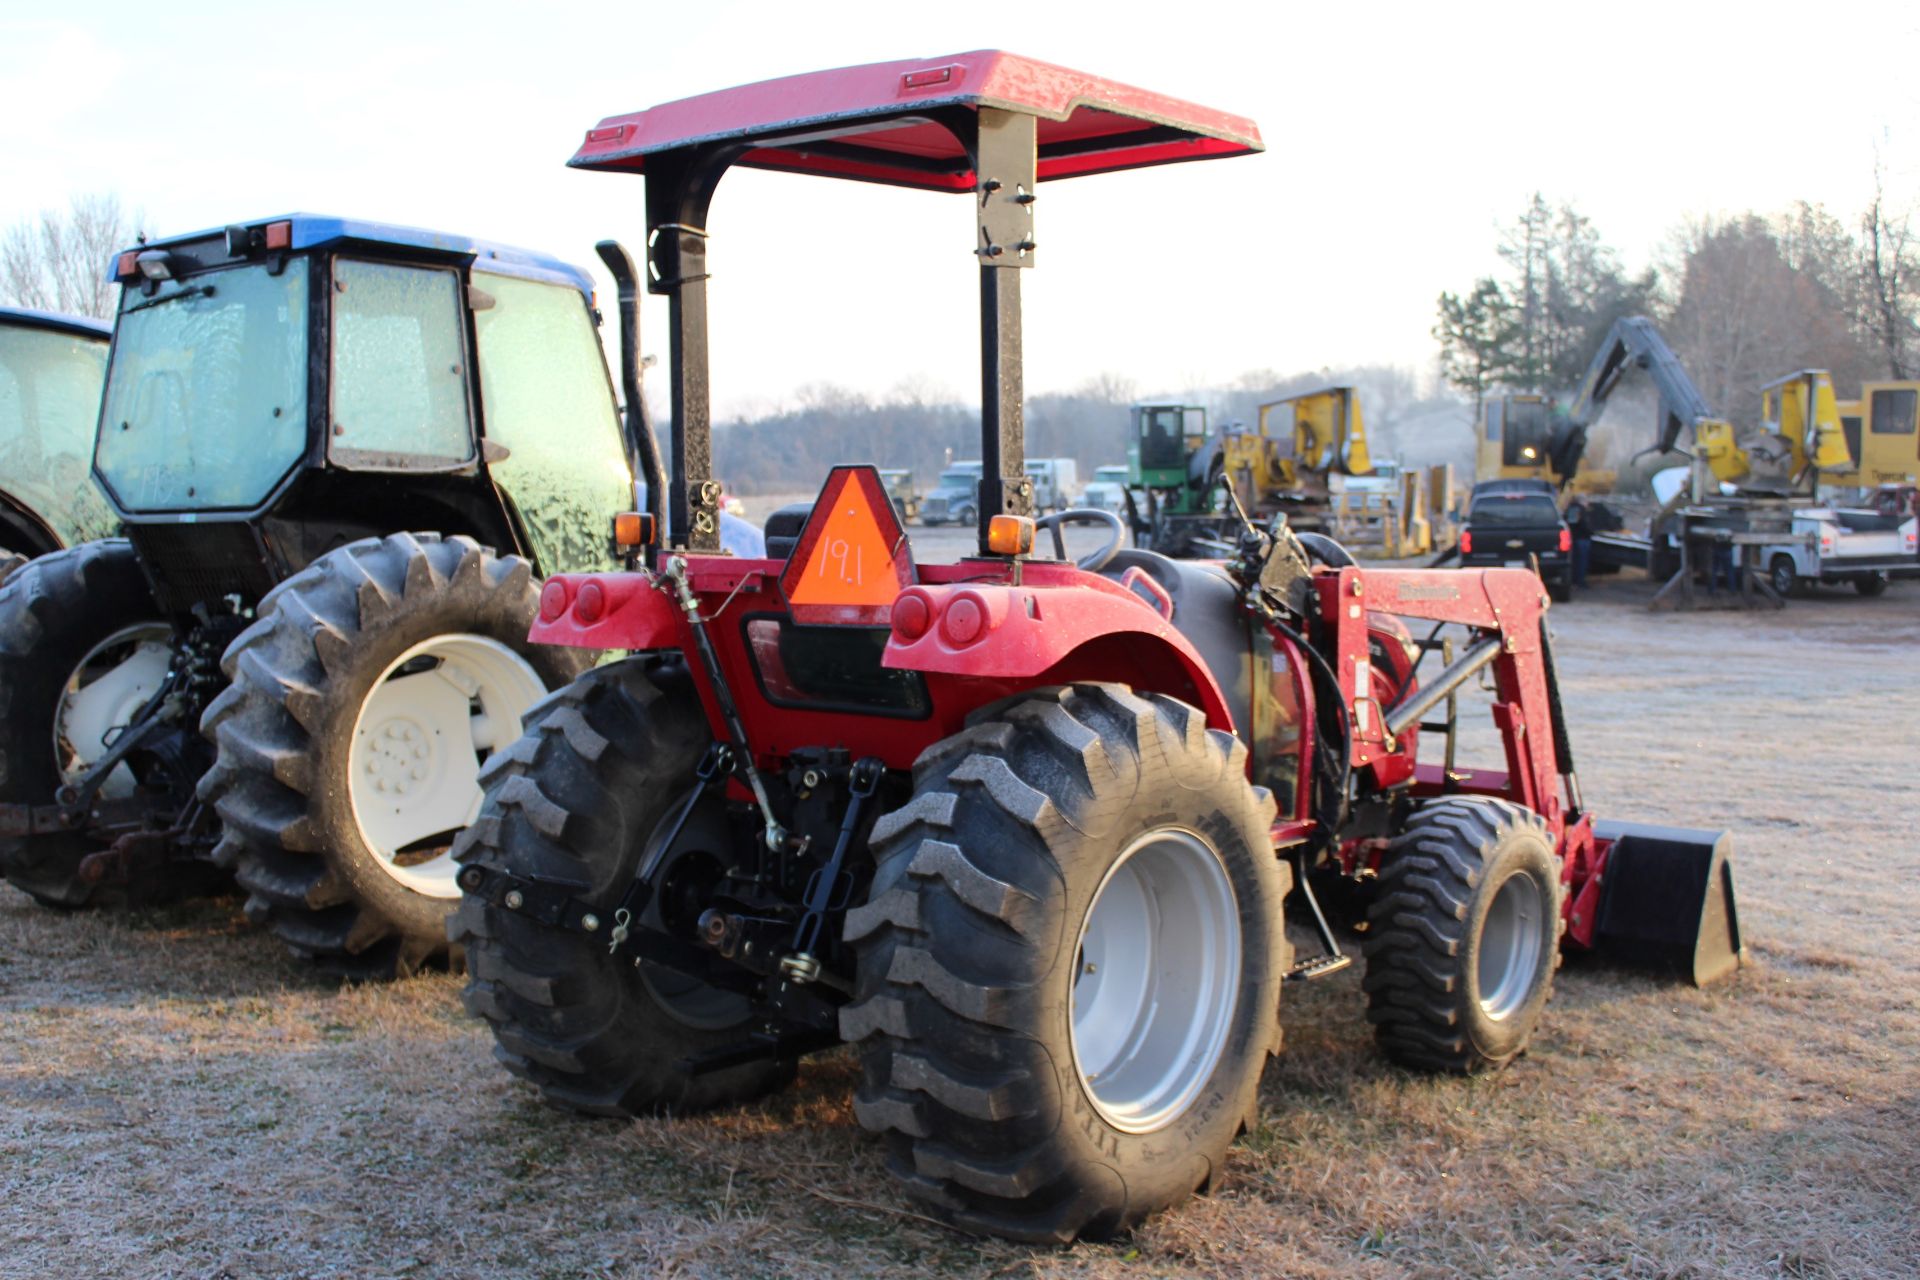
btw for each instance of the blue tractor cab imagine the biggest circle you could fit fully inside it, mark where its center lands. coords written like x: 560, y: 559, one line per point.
x: 345, y: 455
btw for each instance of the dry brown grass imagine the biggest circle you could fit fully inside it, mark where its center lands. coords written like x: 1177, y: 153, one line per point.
x: 178, y: 1099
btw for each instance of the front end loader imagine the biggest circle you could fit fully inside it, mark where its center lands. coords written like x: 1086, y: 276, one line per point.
x: 1023, y: 829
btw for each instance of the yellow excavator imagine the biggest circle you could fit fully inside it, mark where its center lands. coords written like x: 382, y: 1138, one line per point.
x: 1523, y: 436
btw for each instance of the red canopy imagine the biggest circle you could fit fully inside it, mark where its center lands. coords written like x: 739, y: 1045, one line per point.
x: 873, y: 122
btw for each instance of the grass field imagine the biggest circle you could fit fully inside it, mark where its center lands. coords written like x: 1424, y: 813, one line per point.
x: 177, y: 1098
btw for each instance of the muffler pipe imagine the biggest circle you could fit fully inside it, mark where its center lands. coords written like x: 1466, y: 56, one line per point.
x: 642, y: 446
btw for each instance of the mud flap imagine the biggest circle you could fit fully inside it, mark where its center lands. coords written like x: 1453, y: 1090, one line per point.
x: 1667, y: 900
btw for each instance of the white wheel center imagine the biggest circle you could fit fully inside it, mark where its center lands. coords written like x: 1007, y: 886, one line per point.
x: 106, y: 690
x: 414, y: 764
x: 1157, y: 976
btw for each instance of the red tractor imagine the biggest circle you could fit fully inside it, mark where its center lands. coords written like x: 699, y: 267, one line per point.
x: 1022, y: 829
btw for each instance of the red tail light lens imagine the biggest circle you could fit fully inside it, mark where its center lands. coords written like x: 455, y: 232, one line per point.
x: 1566, y: 538
x: 1466, y: 542
x: 590, y: 603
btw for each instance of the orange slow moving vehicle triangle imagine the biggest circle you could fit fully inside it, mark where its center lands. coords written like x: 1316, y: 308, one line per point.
x: 847, y: 561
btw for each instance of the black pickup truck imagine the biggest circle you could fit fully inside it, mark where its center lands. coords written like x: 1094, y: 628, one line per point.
x: 1513, y: 522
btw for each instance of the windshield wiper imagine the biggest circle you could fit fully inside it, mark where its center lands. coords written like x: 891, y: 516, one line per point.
x: 195, y: 291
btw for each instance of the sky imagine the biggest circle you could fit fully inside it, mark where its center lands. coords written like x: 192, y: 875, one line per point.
x: 1400, y: 139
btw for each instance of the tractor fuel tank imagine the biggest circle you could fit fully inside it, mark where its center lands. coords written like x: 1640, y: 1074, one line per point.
x: 1667, y: 902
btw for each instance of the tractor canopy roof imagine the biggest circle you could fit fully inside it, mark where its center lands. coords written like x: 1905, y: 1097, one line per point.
x: 882, y: 123
x: 79, y: 326
x: 317, y: 230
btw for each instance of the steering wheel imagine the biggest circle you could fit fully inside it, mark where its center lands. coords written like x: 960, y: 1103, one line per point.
x: 1324, y: 550
x: 1097, y: 559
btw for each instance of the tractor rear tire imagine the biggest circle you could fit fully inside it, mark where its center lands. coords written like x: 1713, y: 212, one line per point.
x: 1083, y: 880
x: 302, y: 743
x: 56, y: 612
x: 1463, y: 935
x: 602, y: 764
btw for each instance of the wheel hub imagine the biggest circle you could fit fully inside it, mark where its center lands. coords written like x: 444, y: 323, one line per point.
x: 1157, y: 975
x: 1510, y: 948
x: 400, y: 756
x: 413, y: 767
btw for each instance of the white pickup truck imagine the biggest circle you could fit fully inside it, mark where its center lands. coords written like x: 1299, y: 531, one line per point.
x: 1843, y: 544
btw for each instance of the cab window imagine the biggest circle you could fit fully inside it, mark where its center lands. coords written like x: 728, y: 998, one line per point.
x: 399, y: 382
x: 547, y: 408
x: 1893, y: 412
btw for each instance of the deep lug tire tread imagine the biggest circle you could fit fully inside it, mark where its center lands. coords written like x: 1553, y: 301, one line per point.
x: 572, y: 802
x: 280, y: 730
x: 1417, y: 937
x: 964, y: 921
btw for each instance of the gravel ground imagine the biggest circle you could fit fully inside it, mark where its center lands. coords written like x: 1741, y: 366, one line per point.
x: 179, y: 1099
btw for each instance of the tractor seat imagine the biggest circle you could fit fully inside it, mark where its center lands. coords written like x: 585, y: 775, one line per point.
x: 783, y: 529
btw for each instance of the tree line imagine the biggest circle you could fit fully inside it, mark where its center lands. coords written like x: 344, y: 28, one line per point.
x: 788, y: 450
x: 1742, y: 299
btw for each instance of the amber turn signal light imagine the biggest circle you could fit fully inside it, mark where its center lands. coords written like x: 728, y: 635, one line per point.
x: 1010, y: 535
x: 633, y: 529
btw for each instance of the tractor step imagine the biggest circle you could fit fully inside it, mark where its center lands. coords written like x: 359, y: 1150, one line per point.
x: 1318, y: 967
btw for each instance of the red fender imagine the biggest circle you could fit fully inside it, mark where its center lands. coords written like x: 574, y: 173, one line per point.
x: 1056, y: 626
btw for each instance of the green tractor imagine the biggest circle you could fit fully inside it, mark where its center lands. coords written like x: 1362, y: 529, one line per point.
x: 344, y: 455
x: 51, y: 370
x: 1171, y: 496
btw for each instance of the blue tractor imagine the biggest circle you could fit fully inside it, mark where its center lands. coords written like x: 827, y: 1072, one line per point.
x: 344, y: 455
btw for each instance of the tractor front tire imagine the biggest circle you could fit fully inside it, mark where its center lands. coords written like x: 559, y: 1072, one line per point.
x: 1069, y: 964
x: 349, y: 743
x: 602, y: 764
x: 77, y: 614
x: 1463, y: 935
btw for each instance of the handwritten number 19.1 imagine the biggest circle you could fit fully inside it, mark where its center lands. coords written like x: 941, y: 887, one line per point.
x: 847, y: 557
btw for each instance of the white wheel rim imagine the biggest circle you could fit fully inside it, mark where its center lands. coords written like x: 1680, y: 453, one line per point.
x: 1510, y: 941
x: 105, y: 691
x: 1158, y: 974
x: 413, y: 770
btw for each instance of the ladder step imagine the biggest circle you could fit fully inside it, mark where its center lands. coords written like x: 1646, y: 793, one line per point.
x: 1318, y: 967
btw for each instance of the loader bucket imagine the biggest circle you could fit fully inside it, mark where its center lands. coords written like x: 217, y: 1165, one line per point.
x: 1666, y: 901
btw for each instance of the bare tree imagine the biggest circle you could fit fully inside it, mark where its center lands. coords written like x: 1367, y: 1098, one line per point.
x: 58, y: 261
x: 1891, y: 277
